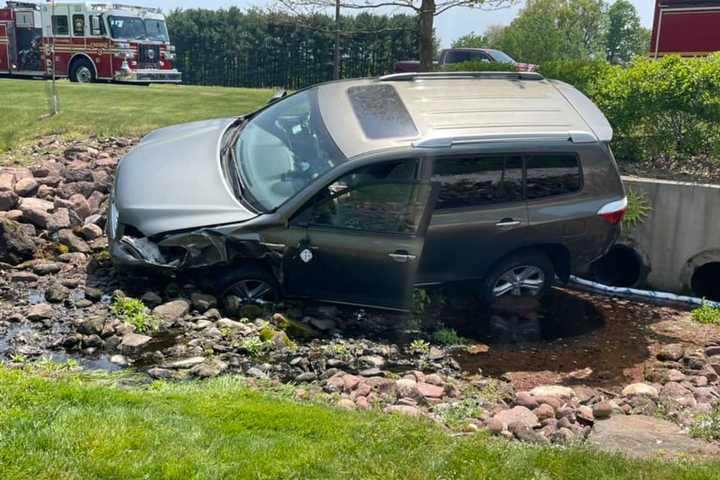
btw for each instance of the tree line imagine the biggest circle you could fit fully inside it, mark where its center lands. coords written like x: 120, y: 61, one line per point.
x: 257, y: 48
x: 547, y: 30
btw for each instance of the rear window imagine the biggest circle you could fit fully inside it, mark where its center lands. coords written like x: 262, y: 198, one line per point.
x: 551, y: 175
x: 381, y: 112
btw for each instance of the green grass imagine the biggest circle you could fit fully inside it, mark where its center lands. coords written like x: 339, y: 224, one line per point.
x: 55, y: 424
x: 109, y: 110
x: 707, y: 315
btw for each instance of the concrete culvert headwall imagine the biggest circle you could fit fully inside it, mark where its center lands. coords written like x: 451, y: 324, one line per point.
x: 705, y: 281
x: 622, y: 266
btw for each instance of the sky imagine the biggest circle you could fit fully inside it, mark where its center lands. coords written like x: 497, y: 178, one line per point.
x: 450, y: 25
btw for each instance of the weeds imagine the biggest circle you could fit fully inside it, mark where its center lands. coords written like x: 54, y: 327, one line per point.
x: 638, y: 208
x: 707, y: 426
x: 255, y: 346
x: 448, y: 337
x: 707, y: 315
x: 419, y: 346
x: 135, y: 313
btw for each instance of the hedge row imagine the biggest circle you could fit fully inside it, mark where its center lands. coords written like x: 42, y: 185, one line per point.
x: 667, y: 107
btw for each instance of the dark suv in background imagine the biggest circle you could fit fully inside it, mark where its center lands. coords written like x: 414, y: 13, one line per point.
x: 356, y: 191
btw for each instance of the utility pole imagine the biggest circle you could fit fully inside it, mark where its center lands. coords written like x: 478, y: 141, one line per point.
x: 336, y: 60
x: 55, y: 105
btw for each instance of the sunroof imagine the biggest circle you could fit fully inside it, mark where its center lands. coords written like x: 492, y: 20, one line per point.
x: 381, y: 112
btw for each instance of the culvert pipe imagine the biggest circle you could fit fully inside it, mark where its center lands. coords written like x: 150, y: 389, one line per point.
x: 636, y: 293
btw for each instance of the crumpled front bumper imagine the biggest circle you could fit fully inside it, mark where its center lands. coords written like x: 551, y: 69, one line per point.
x: 148, y: 76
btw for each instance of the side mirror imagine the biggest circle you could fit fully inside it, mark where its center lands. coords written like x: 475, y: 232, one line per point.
x: 278, y: 95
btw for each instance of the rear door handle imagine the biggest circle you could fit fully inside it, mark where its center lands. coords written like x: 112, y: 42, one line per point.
x: 507, y: 222
x: 402, y: 256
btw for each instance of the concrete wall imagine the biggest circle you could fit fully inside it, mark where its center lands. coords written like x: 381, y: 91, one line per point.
x: 680, y: 234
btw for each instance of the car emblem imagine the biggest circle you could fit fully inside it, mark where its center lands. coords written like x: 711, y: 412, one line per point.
x: 151, y: 54
x: 306, y: 255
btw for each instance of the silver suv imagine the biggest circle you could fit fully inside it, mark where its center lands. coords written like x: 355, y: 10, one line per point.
x: 356, y: 191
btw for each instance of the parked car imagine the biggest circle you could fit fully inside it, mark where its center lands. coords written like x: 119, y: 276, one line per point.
x: 451, y: 56
x: 356, y: 191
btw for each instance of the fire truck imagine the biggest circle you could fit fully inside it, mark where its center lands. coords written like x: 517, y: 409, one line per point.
x: 686, y: 27
x: 86, y: 42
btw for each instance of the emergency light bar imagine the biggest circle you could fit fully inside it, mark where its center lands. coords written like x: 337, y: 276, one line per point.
x: 120, y: 6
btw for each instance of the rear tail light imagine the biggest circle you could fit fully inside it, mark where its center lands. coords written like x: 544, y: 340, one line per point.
x: 614, y: 212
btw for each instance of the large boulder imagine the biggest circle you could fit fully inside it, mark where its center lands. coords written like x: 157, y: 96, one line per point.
x: 16, y: 245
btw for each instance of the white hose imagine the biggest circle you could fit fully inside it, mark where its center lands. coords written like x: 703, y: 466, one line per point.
x: 634, y: 292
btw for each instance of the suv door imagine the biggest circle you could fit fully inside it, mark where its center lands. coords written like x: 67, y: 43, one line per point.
x: 480, y: 216
x: 359, y: 241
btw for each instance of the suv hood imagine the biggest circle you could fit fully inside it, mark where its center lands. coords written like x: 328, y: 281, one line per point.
x: 173, y: 180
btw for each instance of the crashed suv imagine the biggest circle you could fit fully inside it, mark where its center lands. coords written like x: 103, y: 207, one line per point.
x: 357, y: 191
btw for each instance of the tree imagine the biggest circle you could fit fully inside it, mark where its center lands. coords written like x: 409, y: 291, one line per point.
x: 625, y: 37
x: 471, y: 40
x: 425, y: 10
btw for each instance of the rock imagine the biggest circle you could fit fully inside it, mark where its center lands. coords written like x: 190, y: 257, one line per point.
x: 72, y: 241
x: 26, y: 187
x: 362, y: 403
x: 90, y: 231
x: 712, y: 350
x: 203, y: 302
x: 23, y: 277
x: 346, y: 403
x: 170, y: 312
x: 56, y: 293
x: 255, y: 372
x: 524, y: 433
x: 160, y: 373
x: 643, y: 436
x: 403, y: 410
x: 80, y: 205
x: 16, y: 245
x: 602, y: 410
x: 151, y: 299
x: 524, y: 399
x: 185, y: 363
x: 496, y: 426
x: 119, y: 360
x: 706, y: 395
x: 544, y: 411
x: 7, y: 182
x: 566, y: 393
x: 209, y: 369
x: 585, y: 414
x: 47, y: 268
x: 372, y: 361
x: 35, y: 211
x: 134, y: 340
x: 59, y: 220
x: 406, y: 387
x: 92, y: 326
x: 637, y: 389
x: 517, y: 414
x: 322, y: 324
x: 671, y: 352
x: 41, y: 311
x: 426, y: 390
x: 8, y: 201
x: 94, y: 294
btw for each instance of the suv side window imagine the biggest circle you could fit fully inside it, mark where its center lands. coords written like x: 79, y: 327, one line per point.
x: 381, y: 198
x: 552, y: 174
x: 478, y: 180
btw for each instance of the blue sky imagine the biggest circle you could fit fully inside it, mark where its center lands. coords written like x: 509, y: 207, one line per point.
x: 450, y: 25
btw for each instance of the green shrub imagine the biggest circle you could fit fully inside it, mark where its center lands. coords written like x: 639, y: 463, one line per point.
x: 477, y: 66
x: 419, y: 346
x: 638, y: 208
x: 582, y: 74
x: 707, y: 425
x: 135, y: 313
x: 448, y: 337
x: 707, y: 315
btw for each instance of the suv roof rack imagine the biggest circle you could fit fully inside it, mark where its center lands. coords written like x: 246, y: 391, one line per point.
x: 412, y: 76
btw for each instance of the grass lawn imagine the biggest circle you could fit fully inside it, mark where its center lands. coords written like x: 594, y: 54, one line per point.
x: 111, y: 110
x: 66, y: 426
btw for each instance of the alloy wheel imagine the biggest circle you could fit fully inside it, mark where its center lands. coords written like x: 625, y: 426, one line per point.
x: 84, y: 75
x: 523, y: 280
x: 251, y: 291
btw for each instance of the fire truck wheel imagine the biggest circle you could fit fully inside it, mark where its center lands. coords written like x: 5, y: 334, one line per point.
x: 82, y: 71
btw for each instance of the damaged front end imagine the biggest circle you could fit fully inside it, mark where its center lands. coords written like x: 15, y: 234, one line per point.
x: 197, y: 249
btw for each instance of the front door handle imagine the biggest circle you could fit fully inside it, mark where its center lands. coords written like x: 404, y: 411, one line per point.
x: 507, y: 222
x: 402, y: 256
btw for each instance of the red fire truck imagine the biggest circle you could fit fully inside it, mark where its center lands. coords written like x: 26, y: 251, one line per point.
x: 686, y: 27
x: 91, y: 41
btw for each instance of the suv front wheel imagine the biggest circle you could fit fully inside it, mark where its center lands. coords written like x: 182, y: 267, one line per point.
x: 528, y: 274
x: 249, y: 285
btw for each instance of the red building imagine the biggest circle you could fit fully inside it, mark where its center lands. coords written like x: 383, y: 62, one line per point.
x: 686, y: 27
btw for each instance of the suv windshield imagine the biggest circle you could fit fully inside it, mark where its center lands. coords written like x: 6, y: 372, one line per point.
x: 135, y: 28
x: 501, y: 57
x: 284, y: 148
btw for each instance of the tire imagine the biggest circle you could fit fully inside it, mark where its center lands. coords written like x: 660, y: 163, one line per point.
x: 522, y: 274
x: 250, y: 284
x: 82, y: 71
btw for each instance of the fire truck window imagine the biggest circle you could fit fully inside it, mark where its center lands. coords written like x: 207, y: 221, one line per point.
x: 78, y: 25
x: 97, y: 27
x: 60, y: 25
